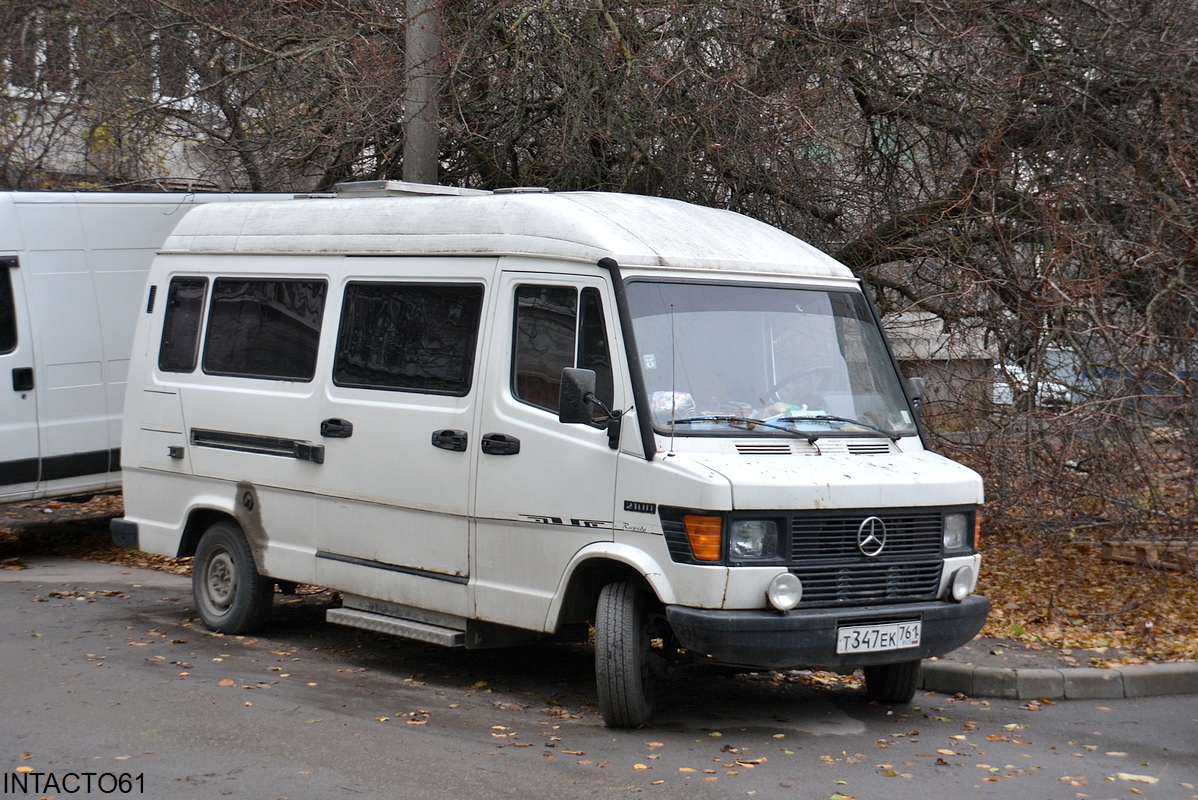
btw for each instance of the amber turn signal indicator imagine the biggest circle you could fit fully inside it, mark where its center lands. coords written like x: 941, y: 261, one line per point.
x: 706, y: 535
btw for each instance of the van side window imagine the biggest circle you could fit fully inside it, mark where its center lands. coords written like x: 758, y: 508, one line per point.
x: 592, y: 345
x: 544, y: 342
x: 409, y: 337
x: 8, y: 312
x: 264, y: 328
x: 550, y: 335
x: 180, y: 346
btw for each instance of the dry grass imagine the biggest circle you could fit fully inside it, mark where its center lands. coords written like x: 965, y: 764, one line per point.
x: 1070, y: 597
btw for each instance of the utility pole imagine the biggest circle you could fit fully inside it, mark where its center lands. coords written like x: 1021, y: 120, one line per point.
x: 422, y: 61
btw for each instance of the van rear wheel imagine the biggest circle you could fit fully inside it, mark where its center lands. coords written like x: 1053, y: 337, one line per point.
x: 893, y: 683
x: 229, y: 593
x: 622, y: 645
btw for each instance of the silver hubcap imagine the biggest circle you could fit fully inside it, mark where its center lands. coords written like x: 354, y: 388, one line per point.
x: 222, y: 581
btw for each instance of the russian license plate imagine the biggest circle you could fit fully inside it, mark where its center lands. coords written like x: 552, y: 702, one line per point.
x: 871, y: 638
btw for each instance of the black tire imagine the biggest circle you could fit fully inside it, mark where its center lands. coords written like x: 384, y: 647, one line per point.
x: 622, y: 643
x: 893, y: 683
x: 229, y: 593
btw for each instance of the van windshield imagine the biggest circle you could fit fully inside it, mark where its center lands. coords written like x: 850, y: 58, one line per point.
x: 719, y: 358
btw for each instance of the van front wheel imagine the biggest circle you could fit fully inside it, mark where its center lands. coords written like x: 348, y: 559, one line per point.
x: 229, y: 593
x: 893, y: 683
x: 622, y: 645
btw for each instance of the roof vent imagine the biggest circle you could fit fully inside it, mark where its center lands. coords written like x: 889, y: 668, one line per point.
x: 522, y: 190
x: 400, y: 189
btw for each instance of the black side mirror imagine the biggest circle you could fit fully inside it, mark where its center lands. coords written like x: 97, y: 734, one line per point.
x: 916, y: 389
x: 576, y: 397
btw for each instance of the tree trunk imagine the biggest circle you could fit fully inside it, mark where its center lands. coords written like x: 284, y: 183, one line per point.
x: 421, y: 60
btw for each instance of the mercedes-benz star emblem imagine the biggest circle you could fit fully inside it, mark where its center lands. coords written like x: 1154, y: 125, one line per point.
x: 871, y: 537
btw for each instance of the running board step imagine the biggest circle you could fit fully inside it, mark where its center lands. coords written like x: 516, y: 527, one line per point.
x: 407, y: 628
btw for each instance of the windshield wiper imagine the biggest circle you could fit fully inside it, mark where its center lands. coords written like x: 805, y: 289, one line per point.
x: 749, y: 422
x: 891, y: 435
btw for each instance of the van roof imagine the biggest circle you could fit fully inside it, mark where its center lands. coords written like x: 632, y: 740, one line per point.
x: 579, y: 226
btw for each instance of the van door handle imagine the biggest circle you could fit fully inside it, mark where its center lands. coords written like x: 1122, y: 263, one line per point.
x: 22, y: 379
x: 500, y: 444
x: 336, y: 429
x: 449, y: 439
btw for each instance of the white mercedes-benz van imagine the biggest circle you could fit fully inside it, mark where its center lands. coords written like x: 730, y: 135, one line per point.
x: 72, y: 268
x: 489, y: 418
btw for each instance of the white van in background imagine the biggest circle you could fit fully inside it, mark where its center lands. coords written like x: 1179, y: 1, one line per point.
x: 72, y: 273
x: 491, y: 418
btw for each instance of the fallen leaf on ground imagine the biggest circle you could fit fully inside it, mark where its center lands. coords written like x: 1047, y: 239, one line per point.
x: 1127, y: 776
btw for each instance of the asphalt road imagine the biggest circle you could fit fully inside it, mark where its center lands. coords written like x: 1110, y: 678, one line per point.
x: 104, y: 671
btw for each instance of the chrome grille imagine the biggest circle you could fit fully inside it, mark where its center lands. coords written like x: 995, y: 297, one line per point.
x: 821, y: 548
x: 864, y: 583
x: 825, y: 556
x: 822, y: 537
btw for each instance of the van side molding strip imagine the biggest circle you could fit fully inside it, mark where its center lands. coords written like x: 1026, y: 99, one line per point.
x: 53, y: 468
x: 255, y: 443
x: 414, y: 571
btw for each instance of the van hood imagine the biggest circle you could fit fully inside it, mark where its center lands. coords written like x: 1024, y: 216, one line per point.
x: 893, y: 480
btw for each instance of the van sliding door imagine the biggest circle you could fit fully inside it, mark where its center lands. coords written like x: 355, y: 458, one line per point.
x: 398, y: 428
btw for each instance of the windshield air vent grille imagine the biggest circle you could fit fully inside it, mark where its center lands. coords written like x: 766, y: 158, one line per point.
x: 869, y: 449
x: 763, y: 448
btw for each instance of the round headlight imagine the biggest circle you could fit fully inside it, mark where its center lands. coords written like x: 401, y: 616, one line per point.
x: 785, y: 591
x: 963, y: 583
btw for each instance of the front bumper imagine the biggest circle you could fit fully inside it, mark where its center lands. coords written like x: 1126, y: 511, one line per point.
x: 807, y: 638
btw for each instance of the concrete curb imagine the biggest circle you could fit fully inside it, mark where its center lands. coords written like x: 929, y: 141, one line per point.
x: 1081, y: 683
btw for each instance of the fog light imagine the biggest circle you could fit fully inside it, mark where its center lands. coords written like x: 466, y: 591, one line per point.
x: 785, y: 591
x: 963, y: 583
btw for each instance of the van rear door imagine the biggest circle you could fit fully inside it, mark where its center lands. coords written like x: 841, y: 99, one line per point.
x: 19, y: 449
